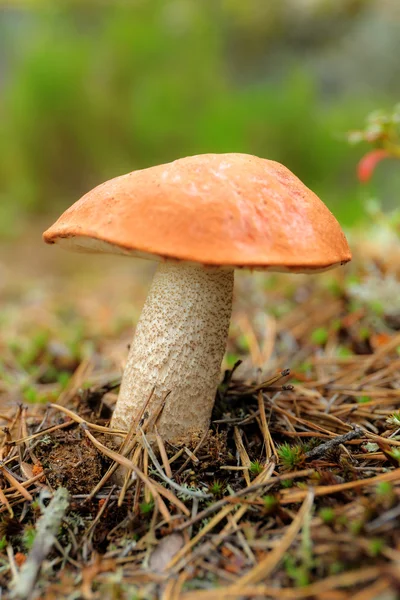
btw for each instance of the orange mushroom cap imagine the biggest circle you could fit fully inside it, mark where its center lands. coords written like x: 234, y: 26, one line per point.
x: 215, y: 209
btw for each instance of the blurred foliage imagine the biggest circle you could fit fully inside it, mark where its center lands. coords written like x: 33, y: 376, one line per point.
x: 382, y: 131
x: 90, y: 92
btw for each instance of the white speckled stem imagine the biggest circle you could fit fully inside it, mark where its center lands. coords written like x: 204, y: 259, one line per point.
x: 178, y: 345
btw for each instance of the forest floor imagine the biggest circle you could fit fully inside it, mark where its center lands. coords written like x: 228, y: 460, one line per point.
x: 293, y: 493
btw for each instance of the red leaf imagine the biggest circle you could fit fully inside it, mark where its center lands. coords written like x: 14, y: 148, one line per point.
x: 367, y: 164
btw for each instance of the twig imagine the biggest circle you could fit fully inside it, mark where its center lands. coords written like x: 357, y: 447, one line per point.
x: 46, y: 530
x: 320, y: 450
x: 265, y: 386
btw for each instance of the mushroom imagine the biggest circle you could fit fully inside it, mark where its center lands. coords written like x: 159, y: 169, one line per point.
x: 200, y: 217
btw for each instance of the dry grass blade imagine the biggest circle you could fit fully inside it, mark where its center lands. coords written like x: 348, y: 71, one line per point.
x: 268, y: 564
x: 379, y: 438
x: 293, y: 497
x: 76, y: 381
x: 171, y: 482
x: 265, y: 483
x: 138, y: 459
x: 196, y: 539
x: 374, y: 591
x: 125, y: 462
x: 111, y: 470
x: 100, y: 513
x: 14, y: 483
x: 176, y: 589
x: 171, y: 497
x: 4, y: 500
x: 224, y: 512
x: 128, y: 443
x: 266, y: 385
x: 344, y: 580
x: 391, y: 344
x: 187, y: 461
x: 270, y: 449
x: 163, y: 454
x: 41, y: 433
x: 244, y: 457
x: 306, y: 422
x: 130, y: 437
x: 82, y: 421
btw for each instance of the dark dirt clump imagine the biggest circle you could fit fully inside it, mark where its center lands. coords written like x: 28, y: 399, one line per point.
x: 69, y: 460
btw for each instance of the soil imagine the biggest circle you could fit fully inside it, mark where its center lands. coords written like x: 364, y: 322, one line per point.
x: 70, y: 461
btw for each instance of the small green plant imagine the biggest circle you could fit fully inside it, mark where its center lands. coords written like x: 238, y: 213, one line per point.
x: 3, y: 543
x: 364, y: 333
x: 384, y: 489
x: 336, y: 567
x: 146, y: 507
x: 216, y: 488
x: 382, y: 131
x: 270, y: 503
x: 28, y: 537
x: 287, y: 483
x: 342, y: 520
x: 319, y: 336
x: 327, y: 514
x: 298, y: 573
x: 363, y: 399
x: 290, y: 456
x: 231, y: 359
x: 395, y: 453
x: 394, y: 420
x: 356, y: 526
x: 243, y: 342
x: 375, y: 546
x: 256, y: 467
x: 63, y: 378
x: 343, y: 352
x: 30, y: 395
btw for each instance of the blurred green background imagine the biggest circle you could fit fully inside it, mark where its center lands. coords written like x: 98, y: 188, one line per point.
x: 92, y: 90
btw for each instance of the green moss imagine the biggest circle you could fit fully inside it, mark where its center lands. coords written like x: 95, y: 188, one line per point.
x: 327, y: 514
x: 256, y: 467
x: 319, y: 336
x: 290, y: 456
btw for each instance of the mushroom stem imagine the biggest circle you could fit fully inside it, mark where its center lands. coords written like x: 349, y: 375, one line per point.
x: 178, y: 346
